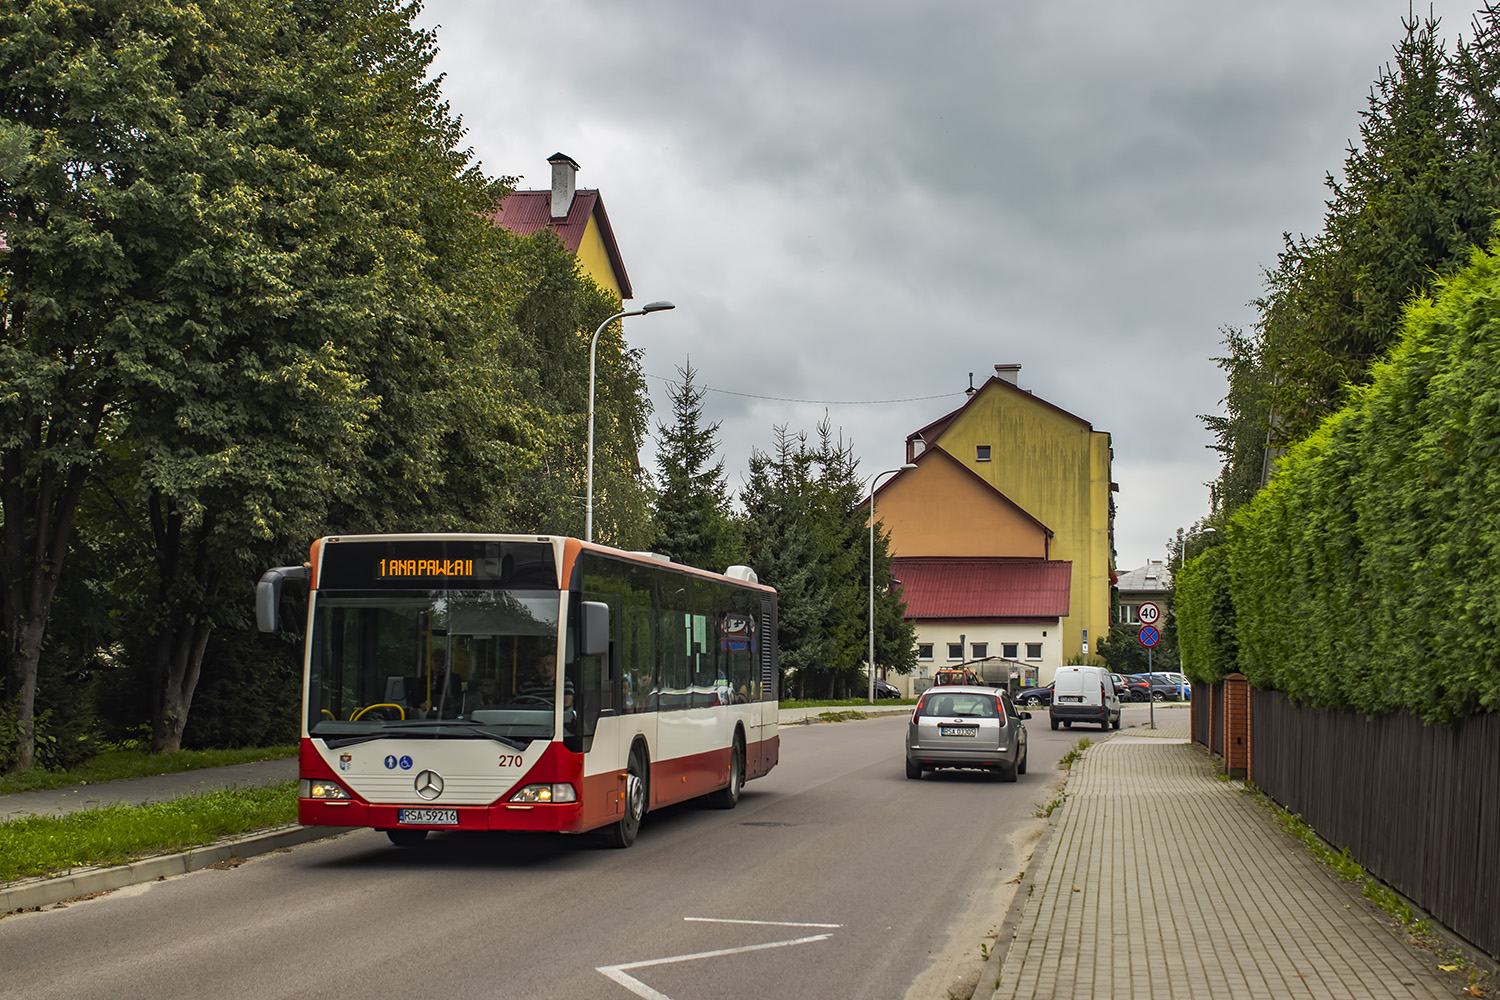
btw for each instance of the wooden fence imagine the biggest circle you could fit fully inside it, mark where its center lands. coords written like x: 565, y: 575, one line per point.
x: 1418, y: 806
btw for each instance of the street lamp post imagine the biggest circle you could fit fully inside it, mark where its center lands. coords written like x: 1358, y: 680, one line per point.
x: 873, y: 481
x: 650, y: 307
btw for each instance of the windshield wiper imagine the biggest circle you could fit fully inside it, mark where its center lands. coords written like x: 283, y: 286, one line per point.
x: 334, y: 742
x: 436, y: 727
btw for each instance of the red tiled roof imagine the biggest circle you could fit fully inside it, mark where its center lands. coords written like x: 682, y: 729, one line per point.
x: 528, y: 212
x: 991, y: 587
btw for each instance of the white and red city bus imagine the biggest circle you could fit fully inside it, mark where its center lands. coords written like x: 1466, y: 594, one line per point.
x: 429, y: 702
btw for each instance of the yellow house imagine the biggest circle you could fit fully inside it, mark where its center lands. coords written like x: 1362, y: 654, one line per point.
x: 1047, y: 474
x: 578, y: 218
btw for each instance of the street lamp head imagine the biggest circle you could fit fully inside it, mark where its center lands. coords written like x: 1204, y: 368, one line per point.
x: 651, y: 307
x: 908, y: 467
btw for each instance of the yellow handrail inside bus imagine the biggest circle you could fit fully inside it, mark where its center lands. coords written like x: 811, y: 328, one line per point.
x: 356, y: 715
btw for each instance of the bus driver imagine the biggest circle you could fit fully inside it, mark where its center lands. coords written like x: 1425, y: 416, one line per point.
x: 543, y: 681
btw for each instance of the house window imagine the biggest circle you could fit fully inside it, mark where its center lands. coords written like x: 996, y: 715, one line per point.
x: 924, y: 650
x: 1128, y: 614
x: 1009, y: 650
x: 955, y: 651
x: 979, y: 650
x: 981, y: 453
x: 1033, y: 651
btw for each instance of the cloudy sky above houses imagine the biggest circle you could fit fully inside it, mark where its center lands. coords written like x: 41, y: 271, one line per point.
x: 855, y: 205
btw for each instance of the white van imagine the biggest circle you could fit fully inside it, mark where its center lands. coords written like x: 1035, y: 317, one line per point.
x: 1084, y: 694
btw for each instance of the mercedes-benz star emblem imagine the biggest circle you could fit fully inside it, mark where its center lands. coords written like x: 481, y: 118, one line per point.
x: 429, y: 784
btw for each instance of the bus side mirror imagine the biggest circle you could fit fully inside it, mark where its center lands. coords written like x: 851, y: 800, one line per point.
x: 595, y: 639
x: 268, y: 593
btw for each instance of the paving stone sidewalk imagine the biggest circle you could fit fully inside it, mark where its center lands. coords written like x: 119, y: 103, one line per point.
x: 1161, y: 882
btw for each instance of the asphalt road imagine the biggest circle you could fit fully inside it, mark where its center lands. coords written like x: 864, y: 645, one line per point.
x: 836, y: 876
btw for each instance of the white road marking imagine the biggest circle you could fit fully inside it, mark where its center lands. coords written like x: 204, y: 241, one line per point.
x: 640, y: 989
x: 757, y: 923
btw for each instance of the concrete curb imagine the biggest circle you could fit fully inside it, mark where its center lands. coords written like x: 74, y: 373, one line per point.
x: 34, y: 893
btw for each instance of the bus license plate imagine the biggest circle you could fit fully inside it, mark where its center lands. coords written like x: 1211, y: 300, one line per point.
x: 958, y: 730
x: 428, y: 817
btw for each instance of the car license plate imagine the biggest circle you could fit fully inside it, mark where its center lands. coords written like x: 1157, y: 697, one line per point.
x: 1074, y: 699
x: 428, y: 817
x: 958, y: 730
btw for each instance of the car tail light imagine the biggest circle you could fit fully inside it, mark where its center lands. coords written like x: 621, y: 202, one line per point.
x: 916, y: 713
x: 1000, y: 707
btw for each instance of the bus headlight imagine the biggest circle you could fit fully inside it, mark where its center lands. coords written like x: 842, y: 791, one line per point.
x: 314, y: 789
x: 546, y: 794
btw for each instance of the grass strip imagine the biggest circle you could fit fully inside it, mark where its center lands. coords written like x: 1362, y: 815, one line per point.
x: 116, y: 765
x: 47, y: 845
x: 845, y: 703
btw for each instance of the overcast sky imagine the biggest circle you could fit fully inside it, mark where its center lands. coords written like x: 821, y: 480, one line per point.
x: 855, y: 205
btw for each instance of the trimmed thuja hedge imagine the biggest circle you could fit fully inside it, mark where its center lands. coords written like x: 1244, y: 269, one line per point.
x: 1205, y: 618
x: 1366, y: 575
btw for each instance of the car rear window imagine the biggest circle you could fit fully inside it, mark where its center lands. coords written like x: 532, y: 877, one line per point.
x: 978, y: 706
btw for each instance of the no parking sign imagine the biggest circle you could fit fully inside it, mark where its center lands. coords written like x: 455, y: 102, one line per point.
x: 1150, y: 636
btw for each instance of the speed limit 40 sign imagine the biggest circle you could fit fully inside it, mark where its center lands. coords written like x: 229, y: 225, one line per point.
x: 1148, y: 614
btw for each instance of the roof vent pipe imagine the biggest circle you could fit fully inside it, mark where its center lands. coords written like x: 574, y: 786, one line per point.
x: 1010, y: 373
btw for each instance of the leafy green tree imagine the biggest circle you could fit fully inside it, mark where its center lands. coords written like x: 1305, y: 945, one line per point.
x: 553, y: 310
x: 140, y: 191
x: 246, y: 265
x: 693, y: 520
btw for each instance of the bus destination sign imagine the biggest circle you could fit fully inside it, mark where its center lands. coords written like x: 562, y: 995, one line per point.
x: 424, y: 569
x: 437, y: 563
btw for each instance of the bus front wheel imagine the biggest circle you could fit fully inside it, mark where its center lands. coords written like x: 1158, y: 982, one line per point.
x: 407, y: 838
x: 622, y: 833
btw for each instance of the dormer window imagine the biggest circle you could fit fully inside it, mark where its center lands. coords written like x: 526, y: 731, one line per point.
x: 982, y: 453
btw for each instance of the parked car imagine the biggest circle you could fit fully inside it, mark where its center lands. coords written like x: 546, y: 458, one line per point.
x: 1121, y: 690
x: 883, y: 688
x: 966, y: 726
x: 1160, y: 688
x: 1138, y: 687
x: 1035, y: 696
x: 1084, y: 694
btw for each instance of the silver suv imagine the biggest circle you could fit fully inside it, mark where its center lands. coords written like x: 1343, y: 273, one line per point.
x: 966, y: 726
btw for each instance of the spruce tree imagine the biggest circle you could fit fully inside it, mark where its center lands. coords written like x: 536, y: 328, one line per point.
x: 693, y: 520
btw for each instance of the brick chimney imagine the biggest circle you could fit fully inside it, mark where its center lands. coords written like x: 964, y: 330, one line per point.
x: 1010, y: 373
x: 564, y: 183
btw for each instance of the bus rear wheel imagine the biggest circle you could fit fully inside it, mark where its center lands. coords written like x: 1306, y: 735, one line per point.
x: 729, y: 797
x: 622, y: 833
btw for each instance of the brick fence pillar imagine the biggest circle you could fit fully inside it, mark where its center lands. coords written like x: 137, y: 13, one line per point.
x: 1236, y: 726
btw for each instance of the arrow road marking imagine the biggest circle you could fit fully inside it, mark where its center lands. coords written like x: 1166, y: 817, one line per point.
x: 640, y: 989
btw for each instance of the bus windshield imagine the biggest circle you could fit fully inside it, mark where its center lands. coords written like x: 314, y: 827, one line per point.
x: 443, y: 664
